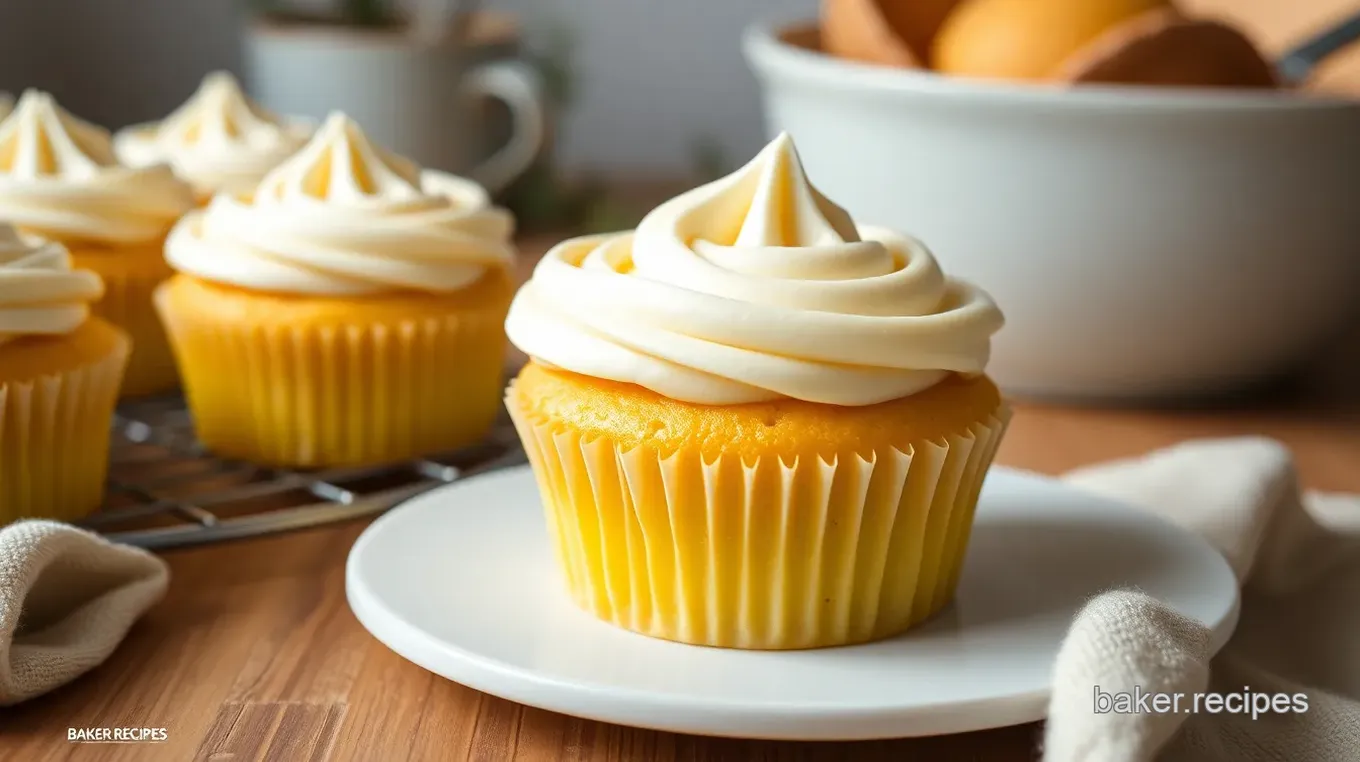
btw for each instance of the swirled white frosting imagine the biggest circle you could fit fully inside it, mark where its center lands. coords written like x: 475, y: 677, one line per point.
x: 39, y: 292
x: 59, y: 178
x: 754, y: 287
x: 219, y: 140
x: 343, y: 217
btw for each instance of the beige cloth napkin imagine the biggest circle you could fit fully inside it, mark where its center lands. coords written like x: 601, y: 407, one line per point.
x: 67, y: 598
x: 1298, y: 559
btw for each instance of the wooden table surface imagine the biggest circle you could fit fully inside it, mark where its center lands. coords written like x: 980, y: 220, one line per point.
x: 254, y: 654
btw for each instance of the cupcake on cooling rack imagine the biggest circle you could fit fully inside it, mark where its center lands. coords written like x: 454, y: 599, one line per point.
x: 348, y: 311
x: 59, y: 376
x: 59, y: 179
x: 752, y: 423
x: 218, y: 141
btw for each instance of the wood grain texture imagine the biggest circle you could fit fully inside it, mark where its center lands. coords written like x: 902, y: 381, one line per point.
x: 254, y: 654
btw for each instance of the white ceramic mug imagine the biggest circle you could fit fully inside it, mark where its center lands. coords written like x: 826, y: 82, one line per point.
x: 1142, y: 242
x: 420, y: 100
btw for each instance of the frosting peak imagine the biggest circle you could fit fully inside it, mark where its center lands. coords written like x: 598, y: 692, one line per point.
x: 341, y: 166
x: 755, y: 287
x: 39, y: 292
x: 344, y: 217
x: 785, y: 210
x: 39, y: 140
x: 59, y: 177
x: 218, y: 112
x: 218, y: 140
x: 784, y: 227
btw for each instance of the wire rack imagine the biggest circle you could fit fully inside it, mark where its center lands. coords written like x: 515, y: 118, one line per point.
x: 165, y: 490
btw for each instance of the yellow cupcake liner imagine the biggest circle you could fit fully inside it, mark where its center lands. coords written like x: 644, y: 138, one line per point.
x: 315, y: 395
x: 54, y: 439
x: 764, y: 553
x: 127, y: 303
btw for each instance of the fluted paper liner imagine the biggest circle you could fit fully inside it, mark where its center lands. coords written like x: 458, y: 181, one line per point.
x: 54, y: 439
x: 331, y: 395
x: 761, y: 554
x: 130, y: 278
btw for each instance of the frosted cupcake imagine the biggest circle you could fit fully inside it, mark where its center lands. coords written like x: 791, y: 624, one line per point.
x: 348, y: 311
x: 218, y: 141
x: 753, y: 424
x: 59, y: 376
x: 59, y: 179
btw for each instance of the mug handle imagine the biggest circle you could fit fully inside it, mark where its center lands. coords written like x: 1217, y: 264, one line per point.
x: 519, y: 88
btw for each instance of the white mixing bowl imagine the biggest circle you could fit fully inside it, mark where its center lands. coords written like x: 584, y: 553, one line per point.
x: 1142, y: 242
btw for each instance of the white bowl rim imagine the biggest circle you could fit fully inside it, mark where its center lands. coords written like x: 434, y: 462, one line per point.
x: 766, y: 51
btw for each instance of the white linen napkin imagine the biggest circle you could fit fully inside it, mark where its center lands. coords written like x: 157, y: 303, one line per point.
x: 1297, y: 557
x: 67, y: 598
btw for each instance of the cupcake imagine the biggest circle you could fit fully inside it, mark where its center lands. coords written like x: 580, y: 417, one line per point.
x: 752, y: 423
x: 59, y: 376
x: 59, y: 179
x: 219, y: 141
x: 349, y: 311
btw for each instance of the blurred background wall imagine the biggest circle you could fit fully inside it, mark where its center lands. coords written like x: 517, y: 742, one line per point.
x: 653, y: 76
x: 116, y: 61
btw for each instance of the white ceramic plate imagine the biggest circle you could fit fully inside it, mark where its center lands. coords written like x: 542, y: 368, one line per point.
x: 461, y: 581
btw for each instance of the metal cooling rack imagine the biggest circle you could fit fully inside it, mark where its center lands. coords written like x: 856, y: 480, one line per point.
x: 165, y: 490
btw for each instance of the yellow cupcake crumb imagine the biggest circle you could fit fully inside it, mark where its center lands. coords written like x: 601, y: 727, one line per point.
x: 633, y: 416
x: 130, y: 274
x: 28, y: 358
